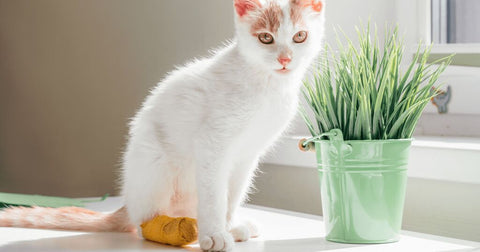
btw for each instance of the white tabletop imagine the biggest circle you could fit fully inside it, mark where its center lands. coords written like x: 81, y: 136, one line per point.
x: 280, y: 231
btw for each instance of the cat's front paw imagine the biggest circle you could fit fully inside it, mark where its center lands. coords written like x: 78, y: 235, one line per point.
x: 218, y: 241
x: 244, y: 231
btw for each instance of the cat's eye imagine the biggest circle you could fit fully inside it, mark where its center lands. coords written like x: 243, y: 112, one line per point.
x: 300, y: 37
x: 265, y: 38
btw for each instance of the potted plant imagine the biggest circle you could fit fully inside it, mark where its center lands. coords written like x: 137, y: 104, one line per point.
x: 364, y: 110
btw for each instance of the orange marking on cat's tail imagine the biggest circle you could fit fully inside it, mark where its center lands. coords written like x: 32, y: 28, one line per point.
x: 66, y: 218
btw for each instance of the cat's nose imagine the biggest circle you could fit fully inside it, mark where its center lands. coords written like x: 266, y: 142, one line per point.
x: 284, y: 60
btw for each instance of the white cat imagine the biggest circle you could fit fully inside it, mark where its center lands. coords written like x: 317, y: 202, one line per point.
x: 201, y: 132
x: 195, y: 144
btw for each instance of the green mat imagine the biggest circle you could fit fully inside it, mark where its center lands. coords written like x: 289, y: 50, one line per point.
x: 15, y: 199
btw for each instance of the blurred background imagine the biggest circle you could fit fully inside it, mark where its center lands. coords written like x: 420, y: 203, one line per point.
x: 73, y: 72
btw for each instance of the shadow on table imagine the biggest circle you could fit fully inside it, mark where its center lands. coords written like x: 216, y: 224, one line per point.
x: 126, y: 242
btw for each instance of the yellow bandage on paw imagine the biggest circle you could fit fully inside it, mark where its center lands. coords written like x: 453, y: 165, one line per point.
x: 173, y: 231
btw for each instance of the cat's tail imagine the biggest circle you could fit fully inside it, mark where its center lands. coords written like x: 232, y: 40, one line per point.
x: 66, y: 218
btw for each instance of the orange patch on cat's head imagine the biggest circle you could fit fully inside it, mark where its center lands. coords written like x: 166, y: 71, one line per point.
x: 268, y: 18
x: 242, y: 7
x: 297, y: 7
x: 316, y: 5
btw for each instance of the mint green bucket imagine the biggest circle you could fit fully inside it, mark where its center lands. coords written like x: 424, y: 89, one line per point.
x: 363, y: 187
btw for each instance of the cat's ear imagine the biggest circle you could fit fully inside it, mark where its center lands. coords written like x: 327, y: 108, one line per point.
x: 315, y: 5
x: 242, y: 7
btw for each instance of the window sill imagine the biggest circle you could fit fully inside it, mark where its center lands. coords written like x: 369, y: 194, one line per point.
x: 441, y: 158
x: 455, y: 48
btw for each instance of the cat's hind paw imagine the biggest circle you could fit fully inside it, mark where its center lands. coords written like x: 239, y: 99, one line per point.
x: 244, y: 231
x: 219, y: 241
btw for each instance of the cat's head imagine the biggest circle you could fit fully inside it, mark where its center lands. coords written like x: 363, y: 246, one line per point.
x: 281, y: 36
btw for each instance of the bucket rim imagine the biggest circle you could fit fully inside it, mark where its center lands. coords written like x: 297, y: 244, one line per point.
x: 368, y: 141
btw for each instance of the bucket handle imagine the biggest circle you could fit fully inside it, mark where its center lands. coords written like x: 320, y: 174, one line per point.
x: 308, y: 144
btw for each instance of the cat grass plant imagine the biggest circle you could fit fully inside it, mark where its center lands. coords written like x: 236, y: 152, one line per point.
x: 363, y: 92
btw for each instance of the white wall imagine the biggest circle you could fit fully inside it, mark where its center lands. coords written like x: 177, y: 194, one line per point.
x: 348, y: 13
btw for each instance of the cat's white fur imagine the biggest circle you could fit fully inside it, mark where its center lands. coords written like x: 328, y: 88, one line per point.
x: 195, y: 144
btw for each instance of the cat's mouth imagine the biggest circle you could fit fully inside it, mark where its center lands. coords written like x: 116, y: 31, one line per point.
x: 283, y: 70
